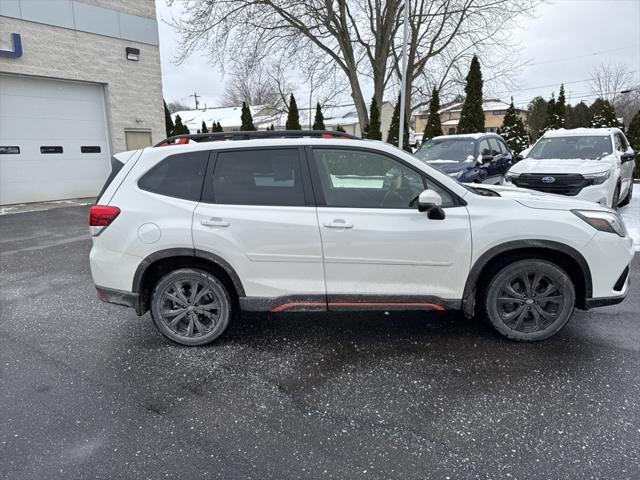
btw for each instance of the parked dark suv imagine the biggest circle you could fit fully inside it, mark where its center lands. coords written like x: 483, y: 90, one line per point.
x: 469, y: 158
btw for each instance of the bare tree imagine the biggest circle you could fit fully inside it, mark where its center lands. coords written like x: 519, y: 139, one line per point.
x: 176, y: 106
x: 608, y: 80
x: 615, y: 83
x: 359, y: 37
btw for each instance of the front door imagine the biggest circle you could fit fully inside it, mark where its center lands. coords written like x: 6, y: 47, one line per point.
x: 378, y: 248
x: 258, y: 216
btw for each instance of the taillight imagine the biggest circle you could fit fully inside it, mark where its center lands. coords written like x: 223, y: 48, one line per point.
x: 101, y: 216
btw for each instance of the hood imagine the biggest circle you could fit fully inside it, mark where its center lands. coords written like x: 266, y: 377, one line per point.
x: 535, y: 199
x: 557, y: 165
x: 449, y: 166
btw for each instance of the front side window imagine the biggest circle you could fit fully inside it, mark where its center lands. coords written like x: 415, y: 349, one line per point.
x: 360, y: 179
x: 495, y: 147
x: 485, y: 148
x: 572, y: 147
x: 258, y: 177
x: 179, y: 176
x: 446, y: 150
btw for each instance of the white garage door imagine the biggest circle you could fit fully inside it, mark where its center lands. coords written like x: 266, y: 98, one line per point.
x: 53, y: 139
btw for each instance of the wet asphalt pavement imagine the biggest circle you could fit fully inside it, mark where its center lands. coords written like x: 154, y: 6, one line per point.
x: 89, y: 390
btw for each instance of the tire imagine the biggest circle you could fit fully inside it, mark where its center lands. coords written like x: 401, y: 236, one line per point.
x: 615, y: 201
x: 515, y: 309
x: 179, y: 313
x: 629, y: 196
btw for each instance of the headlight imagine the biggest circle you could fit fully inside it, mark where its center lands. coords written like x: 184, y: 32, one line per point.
x: 511, y: 176
x: 457, y: 174
x: 598, y: 178
x: 603, y: 221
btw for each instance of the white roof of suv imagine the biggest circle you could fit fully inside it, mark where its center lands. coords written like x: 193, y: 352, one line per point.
x: 579, y: 132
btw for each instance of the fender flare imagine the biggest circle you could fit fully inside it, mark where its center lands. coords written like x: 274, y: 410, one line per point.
x: 468, y: 296
x: 186, y: 252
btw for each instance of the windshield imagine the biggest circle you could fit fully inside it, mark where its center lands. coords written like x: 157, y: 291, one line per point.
x: 592, y: 147
x: 455, y: 150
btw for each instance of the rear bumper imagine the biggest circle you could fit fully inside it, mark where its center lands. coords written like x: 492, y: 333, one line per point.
x: 119, y: 297
x: 603, y: 302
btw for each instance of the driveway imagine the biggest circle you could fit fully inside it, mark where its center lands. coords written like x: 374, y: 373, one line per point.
x: 89, y: 390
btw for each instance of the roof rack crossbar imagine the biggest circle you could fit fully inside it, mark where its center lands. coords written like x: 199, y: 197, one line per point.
x: 252, y: 135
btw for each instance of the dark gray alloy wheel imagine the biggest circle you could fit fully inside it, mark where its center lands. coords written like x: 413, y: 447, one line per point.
x: 629, y: 196
x: 190, y: 307
x: 530, y: 300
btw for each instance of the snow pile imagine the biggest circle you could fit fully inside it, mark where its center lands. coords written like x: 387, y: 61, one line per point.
x: 631, y: 216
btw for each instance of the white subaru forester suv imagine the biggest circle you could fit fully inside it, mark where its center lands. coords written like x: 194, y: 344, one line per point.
x: 316, y: 221
x: 593, y: 164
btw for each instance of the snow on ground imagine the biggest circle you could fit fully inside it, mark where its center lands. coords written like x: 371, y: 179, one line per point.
x: 631, y: 216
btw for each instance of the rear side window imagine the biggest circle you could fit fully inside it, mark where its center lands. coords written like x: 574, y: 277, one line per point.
x: 258, y: 177
x: 178, y: 176
x: 116, y: 166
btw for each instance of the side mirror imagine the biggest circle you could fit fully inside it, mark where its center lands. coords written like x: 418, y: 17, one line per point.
x: 431, y: 202
x: 627, y: 157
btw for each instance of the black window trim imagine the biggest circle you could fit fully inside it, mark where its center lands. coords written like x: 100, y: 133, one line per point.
x: 208, y: 194
x: 206, y: 169
x: 458, y: 201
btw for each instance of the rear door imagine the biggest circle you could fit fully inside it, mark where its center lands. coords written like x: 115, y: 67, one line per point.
x: 258, y: 214
x: 379, y: 250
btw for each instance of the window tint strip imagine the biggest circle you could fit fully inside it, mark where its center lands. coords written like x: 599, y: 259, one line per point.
x: 90, y: 149
x: 9, y: 150
x: 51, y: 149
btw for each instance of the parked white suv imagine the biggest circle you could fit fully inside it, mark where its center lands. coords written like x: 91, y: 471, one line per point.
x: 194, y: 233
x: 591, y: 163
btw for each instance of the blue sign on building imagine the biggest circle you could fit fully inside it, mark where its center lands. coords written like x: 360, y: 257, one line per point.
x: 17, y: 47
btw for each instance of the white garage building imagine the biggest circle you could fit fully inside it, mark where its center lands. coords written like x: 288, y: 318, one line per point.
x: 79, y: 81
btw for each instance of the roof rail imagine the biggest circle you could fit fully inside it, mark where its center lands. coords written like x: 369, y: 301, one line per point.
x: 251, y: 135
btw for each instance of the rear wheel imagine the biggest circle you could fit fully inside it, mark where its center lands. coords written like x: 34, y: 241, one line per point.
x: 190, y: 307
x: 530, y: 300
x: 629, y: 196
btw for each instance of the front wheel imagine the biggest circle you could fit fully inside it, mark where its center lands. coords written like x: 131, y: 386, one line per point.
x: 190, y: 307
x: 530, y: 300
x: 628, y: 197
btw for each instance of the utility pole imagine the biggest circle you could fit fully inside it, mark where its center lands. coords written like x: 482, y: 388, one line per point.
x: 195, y: 97
x: 403, y: 85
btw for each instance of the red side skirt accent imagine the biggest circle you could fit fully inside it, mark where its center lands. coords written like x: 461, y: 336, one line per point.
x: 348, y: 305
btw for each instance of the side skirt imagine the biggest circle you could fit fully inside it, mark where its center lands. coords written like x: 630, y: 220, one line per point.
x: 321, y: 303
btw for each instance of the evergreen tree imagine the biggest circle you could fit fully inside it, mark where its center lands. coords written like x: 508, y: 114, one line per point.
x: 318, y: 122
x: 569, y: 116
x: 560, y: 109
x: 513, y: 130
x: 168, y: 122
x: 633, y: 135
x: 179, y: 128
x: 394, y: 129
x: 582, y: 116
x: 340, y: 129
x: 204, y: 128
x: 246, y: 119
x: 433, y: 127
x: 293, y: 118
x: 603, y: 114
x: 472, y: 115
x: 551, y: 120
x: 272, y: 127
x: 536, y: 116
x: 374, y: 131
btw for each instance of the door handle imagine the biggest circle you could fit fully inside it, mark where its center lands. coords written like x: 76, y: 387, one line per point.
x: 338, y: 223
x: 214, y: 222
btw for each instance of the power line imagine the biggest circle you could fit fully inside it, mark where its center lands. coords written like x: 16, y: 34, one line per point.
x: 572, y: 82
x: 582, y: 56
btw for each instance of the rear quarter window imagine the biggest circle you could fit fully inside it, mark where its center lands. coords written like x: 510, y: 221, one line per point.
x: 178, y: 176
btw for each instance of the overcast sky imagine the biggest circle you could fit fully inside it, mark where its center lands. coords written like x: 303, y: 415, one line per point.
x: 565, y: 41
